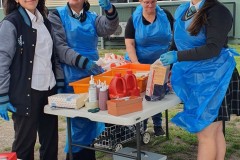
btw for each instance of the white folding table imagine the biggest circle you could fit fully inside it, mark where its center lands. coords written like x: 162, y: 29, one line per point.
x: 149, y: 109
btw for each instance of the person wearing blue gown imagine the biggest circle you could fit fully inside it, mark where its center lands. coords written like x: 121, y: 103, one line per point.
x: 77, y: 30
x: 204, y: 74
x: 148, y: 35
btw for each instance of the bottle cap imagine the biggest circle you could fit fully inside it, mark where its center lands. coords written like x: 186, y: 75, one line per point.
x: 99, y: 84
x: 92, y: 80
x: 103, y: 88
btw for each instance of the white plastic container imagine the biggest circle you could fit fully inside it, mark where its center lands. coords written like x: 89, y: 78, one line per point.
x: 92, y: 91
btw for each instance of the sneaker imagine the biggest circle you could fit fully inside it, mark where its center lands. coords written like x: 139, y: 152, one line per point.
x: 158, y: 131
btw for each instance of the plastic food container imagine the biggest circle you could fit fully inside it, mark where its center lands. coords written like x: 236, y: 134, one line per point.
x: 140, y: 70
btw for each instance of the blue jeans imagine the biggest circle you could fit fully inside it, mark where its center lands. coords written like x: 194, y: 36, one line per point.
x: 157, y: 120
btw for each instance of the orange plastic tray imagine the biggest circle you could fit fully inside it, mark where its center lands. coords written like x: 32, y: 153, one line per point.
x: 82, y: 85
x: 132, y: 66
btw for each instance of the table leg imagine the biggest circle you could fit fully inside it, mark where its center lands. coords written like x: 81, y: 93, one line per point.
x: 167, y: 127
x: 224, y: 127
x: 69, y: 138
x: 138, y: 141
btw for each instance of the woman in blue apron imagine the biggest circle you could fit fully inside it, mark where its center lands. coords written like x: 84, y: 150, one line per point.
x: 204, y: 74
x: 147, y: 36
x: 76, y: 31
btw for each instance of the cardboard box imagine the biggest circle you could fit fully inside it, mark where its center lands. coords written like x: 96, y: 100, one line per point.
x: 74, y: 101
x: 8, y: 156
x: 125, y: 105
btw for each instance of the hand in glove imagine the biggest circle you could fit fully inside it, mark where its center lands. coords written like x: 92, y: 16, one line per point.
x: 105, y: 4
x: 60, y: 87
x: 90, y: 66
x: 168, y: 58
x: 5, y: 106
x: 93, y: 68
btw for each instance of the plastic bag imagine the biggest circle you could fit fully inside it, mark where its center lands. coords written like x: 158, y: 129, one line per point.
x: 157, y: 82
x: 111, y: 60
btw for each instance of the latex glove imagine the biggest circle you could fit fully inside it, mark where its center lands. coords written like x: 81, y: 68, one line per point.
x: 60, y: 87
x: 60, y: 90
x: 5, y: 107
x: 168, y: 58
x: 93, y: 68
x: 105, y: 4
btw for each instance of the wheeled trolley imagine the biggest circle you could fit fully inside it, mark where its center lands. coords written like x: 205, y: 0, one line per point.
x: 114, y: 136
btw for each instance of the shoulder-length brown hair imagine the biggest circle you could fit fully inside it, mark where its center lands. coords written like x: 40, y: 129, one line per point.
x: 11, y: 5
x: 200, y: 18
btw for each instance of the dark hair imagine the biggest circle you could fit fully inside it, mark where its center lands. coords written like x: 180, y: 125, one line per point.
x: 86, y: 5
x: 11, y: 5
x: 200, y: 18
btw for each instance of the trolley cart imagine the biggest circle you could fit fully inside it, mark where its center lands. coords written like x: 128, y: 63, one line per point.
x: 114, y: 136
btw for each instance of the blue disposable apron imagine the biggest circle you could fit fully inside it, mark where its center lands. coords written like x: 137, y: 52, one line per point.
x: 82, y: 38
x: 201, y: 85
x: 151, y: 40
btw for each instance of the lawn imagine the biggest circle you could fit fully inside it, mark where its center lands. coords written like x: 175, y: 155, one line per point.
x: 237, y: 58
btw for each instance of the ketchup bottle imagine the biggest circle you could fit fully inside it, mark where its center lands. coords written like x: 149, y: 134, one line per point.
x: 103, y: 97
x: 131, y: 82
x: 117, y: 87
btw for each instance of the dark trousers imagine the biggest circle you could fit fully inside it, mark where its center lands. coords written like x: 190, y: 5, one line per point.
x: 27, y: 127
x: 84, y: 154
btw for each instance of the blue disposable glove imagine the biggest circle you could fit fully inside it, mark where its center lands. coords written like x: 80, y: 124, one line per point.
x: 5, y: 106
x: 105, y: 4
x: 60, y: 87
x: 60, y: 90
x: 90, y: 66
x: 93, y: 68
x: 168, y: 58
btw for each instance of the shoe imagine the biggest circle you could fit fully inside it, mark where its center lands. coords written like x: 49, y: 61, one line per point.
x: 158, y: 131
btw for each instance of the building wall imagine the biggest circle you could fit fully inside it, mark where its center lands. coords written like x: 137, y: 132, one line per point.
x: 237, y: 24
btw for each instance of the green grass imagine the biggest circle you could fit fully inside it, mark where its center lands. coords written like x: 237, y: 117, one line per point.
x: 238, y: 57
x: 102, y: 52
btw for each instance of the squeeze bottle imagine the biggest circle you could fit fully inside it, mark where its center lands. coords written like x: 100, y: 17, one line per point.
x: 103, y: 97
x: 92, y: 91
